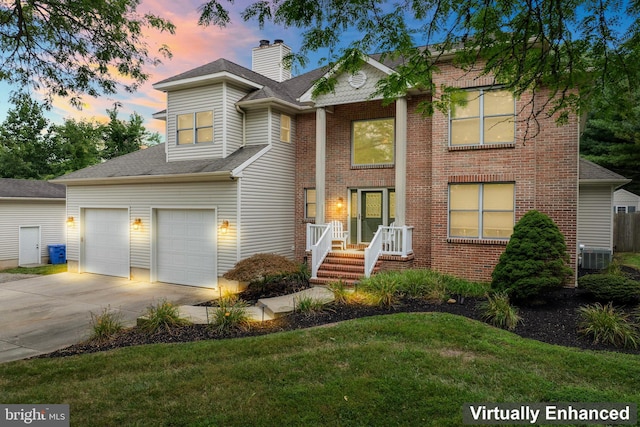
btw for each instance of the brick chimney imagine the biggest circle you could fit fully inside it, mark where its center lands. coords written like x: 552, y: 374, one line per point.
x: 267, y: 60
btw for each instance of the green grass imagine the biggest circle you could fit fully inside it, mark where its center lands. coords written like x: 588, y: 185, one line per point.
x: 630, y: 259
x: 43, y: 269
x: 401, y: 369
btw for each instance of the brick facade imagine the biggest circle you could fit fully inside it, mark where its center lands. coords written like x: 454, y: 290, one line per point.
x: 543, y: 164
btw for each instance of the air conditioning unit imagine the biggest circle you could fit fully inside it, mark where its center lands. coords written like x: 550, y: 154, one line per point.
x: 595, y: 258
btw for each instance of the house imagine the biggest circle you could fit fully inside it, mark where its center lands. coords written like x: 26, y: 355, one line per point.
x: 253, y: 162
x: 595, y: 213
x: 32, y: 217
x: 625, y: 201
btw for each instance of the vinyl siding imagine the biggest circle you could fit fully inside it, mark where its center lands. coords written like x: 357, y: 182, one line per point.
x: 625, y: 198
x: 209, y: 98
x: 142, y: 198
x: 257, y: 127
x: 344, y: 93
x: 234, y: 119
x: 50, y: 216
x: 595, y: 216
x: 267, y: 208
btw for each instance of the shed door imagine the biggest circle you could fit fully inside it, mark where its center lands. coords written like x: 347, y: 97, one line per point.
x: 106, y: 242
x: 186, y: 247
x: 29, y: 245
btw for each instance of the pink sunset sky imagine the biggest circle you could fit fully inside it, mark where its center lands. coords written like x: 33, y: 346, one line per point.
x: 192, y: 46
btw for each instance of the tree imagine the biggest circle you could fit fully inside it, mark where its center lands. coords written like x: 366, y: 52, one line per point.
x: 122, y: 137
x: 574, y: 49
x: 26, y: 147
x: 535, y: 259
x: 77, y: 145
x: 73, y: 47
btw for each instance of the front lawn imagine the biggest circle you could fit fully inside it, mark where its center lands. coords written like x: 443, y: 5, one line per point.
x: 42, y: 269
x: 629, y: 259
x: 399, y: 369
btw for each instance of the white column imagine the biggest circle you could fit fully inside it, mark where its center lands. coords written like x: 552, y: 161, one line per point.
x: 321, y: 156
x: 401, y: 161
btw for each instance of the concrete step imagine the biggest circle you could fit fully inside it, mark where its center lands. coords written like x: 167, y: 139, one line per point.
x: 200, y: 315
x: 279, y: 306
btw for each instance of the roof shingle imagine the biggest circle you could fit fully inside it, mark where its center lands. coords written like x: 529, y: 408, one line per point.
x: 29, y: 188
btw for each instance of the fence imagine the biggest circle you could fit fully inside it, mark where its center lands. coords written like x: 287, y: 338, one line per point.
x: 626, y: 232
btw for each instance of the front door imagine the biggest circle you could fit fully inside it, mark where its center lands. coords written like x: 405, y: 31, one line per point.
x: 370, y: 208
x: 29, y: 245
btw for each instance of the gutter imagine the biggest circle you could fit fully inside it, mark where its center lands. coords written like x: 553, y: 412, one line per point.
x: 143, y: 179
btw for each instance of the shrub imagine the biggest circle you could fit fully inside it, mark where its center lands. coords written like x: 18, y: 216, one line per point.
x: 498, y: 311
x: 231, y: 314
x: 341, y: 295
x: 106, y: 325
x: 162, y: 316
x: 607, y: 287
x: 309, y: 305
x: 535, y: 259
x: 608, y: 325
x: 382, y: 288
x: 261, y: 267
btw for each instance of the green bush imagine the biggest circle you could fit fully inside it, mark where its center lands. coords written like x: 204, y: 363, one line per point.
x: 608, y: 287
x: 383, y: 288
x: 309, y: 305
x: 534, y: 261
x: 106, y: 325
x: 231, y: 314
x: 162, y: 316
x: 608, y: 325
x: 498, y: 311
x: 341, y: 295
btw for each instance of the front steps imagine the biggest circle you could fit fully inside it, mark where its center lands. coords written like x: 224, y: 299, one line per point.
x: 345, y: 266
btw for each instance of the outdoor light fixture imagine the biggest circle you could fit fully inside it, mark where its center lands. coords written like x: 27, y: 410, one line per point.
x: 70, y: 221
x: 340, y: 203
x: 137, y: 224
x: 224, y: 227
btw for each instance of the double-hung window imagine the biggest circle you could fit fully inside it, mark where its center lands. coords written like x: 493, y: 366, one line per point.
x: 487, y: 118
x: 195, y: 128
x: 285, y: 128
x: 481, y: 210
x: 310, y: 203
x: 373, y: 142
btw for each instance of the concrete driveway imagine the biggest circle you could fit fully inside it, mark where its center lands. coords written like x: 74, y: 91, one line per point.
x: 42, y: 314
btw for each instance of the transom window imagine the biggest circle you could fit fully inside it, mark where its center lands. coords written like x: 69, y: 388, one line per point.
x: 487, y: 118
x: 285, y: 128
x: 481, y: 210
x: 310, y: 203
x: 195, y: 128
x: 373, y: 142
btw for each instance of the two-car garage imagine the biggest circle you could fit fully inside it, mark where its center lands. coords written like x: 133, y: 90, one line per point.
x: 183, y: 244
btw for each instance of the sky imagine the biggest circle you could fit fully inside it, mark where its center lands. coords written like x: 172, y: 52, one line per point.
x: 192, y: 46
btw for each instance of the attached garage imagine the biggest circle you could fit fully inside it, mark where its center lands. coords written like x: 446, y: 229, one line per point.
x: 186, y: 246
x: 106, y: 242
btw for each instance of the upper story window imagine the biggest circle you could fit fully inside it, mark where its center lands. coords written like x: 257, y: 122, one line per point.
x: 488, y: 118
x: 195, y: 128
x: 373, y: 142
x: 285, y: 128
x: 481, y: 210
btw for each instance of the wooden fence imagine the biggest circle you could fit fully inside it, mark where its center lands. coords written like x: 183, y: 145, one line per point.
x: 626, y: 232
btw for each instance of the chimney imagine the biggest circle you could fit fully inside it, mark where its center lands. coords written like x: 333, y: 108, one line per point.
x: 267, y: 60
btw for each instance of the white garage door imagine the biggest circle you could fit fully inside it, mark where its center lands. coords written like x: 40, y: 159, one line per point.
x: 186, y: 247
x: 106, y: 242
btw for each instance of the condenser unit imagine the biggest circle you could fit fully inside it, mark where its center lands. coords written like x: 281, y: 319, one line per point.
x: 595, y: 258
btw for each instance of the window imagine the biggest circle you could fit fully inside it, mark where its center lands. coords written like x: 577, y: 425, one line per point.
x: 310, y: 203
x: 285, y: 128
x: 488, y: 118
x: 624, y: 209
x: 195, y: 128
x: 373, y: 142
x: 481, y: 211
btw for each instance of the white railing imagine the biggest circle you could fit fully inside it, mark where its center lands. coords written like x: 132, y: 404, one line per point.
x: 388, y: 240
x: 319, y: 243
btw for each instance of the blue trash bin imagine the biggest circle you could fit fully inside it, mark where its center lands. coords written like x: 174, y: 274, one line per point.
x: 57, y: 254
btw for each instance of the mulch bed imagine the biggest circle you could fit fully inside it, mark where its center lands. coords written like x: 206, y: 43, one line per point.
x: 555, y: 322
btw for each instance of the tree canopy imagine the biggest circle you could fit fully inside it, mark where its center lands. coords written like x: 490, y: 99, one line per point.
x: 70, y: 48
x: 575, y: 49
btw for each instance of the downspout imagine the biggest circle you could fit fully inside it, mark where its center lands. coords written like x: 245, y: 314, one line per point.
x: 244, y: 124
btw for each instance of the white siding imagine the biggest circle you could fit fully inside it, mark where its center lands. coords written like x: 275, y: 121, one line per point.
x: 50, y: 216
x: 595, y: 216
x: 344, y: 93
x: 267, y: 208
x: 192, y: 101
x: 626, y: 198
x: 142, y: 198
x: 257, y: 127
x: 234, y: 119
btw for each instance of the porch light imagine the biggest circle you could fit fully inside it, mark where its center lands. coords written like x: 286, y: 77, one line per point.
x: 340, y: 203
x: 137, y: 224
x: 224, y: 227
x: 70, y: 221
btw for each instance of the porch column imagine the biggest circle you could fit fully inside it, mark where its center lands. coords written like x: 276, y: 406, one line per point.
x: 401, y: 161
x: 321, y: 155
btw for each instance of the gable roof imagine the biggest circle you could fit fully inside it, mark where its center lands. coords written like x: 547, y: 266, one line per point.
x: 151, y: 163
x: 28, y: 188
x: 590, y: 172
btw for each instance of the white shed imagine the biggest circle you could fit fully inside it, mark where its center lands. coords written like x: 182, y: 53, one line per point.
x: 625, y: 201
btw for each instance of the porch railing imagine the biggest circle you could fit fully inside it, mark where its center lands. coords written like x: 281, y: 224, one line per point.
x: 388, y: 240
x: 319, y: 244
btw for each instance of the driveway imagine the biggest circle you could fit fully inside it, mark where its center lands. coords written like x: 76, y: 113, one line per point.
x: 45, y: 313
